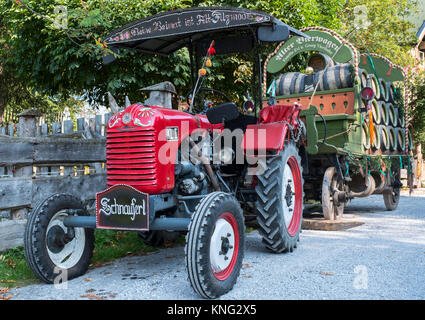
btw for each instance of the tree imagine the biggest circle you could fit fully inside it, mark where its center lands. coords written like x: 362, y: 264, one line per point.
x: 387, y: 31
x: 17, y: 95
x: 69, y: 61
x: 417, y: 105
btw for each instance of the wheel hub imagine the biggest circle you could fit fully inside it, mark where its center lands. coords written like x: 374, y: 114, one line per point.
x: 288, y: 194
x: 56, y: 239
x: 222, y: 245
x: 225, y: 245
x: 64, y: 245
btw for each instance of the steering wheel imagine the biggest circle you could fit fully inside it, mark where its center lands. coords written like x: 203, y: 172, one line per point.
x: 209, y: 90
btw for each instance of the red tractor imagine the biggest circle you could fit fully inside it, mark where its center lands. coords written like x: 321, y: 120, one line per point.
x: 171, y: 172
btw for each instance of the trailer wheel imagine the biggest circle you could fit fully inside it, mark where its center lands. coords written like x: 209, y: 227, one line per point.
x: 51, y: 249
x: 333, y: 209
x: 391, y: 198
x: 280, y: 200
x: 215, y: 245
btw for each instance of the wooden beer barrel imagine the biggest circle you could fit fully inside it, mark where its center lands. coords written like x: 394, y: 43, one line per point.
x: 401, y: 142
x: 363, y: 77
x: 390, y: 90
x: 392, y: 136
x: 384, y: 90
x: 385, y: 119
x: 376, y: 112
x: 392, y: 117
x: 377, y: 140
x: 290, y: 83
x: 365, y: 136
x: 336, y: 77
x: 319, y: 61
x: 396, y: 121
x: 385, y: 139
x: 372, y: 82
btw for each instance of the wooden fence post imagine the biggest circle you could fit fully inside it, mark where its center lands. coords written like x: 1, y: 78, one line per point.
x: 27, y: 128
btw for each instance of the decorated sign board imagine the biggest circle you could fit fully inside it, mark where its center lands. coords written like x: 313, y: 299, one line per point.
x: 122, y: 207
x: 318, y: 41
x: 383, y: 68
x: 186, y: 21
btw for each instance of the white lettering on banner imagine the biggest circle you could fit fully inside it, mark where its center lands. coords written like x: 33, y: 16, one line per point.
x: 132, y: 209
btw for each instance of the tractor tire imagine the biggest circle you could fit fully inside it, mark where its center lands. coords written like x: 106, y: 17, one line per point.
x: 331, y: 210
x: 156, y: 238
x: 280, y: 200
x: 215, y: 245
x: 48, y: 251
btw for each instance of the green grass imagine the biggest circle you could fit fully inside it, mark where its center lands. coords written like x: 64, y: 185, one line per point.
x: 14, y: 270
x: 109, y: 245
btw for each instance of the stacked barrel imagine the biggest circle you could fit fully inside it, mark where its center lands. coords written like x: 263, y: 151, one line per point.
x: 327, y: 76
x: 388, y: 118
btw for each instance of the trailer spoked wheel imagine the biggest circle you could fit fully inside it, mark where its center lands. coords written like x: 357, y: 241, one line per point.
x: 280, y: 200
x: 215, y: 245
x: 391, y: 198
x: 332, y: 205
x: 50, y: 247
x: 392, y: 195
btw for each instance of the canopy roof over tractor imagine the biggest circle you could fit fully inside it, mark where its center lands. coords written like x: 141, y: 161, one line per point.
x: 232, y: 29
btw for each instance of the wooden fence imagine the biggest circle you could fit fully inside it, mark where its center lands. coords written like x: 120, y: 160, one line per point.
x: 38, y: 161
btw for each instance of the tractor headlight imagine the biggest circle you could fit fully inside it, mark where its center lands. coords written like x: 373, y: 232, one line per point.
x: 172, y: 134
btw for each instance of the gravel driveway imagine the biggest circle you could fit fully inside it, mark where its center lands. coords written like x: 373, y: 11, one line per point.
x: 382, y: 259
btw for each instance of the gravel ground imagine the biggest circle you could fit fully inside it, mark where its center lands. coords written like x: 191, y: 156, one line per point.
x: 382, y: 259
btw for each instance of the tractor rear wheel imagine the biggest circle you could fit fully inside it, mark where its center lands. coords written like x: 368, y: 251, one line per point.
x: 333, y: 208
x: 215, y: 245
x: 280, y: 200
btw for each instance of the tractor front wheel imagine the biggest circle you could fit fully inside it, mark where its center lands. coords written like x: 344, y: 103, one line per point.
x: 53, y: 250
x: 215, y: 245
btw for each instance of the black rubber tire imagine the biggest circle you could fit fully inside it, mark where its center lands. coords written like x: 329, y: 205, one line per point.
x: 155, y: 238
x: 35, y: 246
x: 197, y: 249
x: 391, y: 199
x: 330, y: 210
x: 270, y: 217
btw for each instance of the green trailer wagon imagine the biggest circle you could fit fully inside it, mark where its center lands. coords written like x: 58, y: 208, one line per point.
x: 340, y: 153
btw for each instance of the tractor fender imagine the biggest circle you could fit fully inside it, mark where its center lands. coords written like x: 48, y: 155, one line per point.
x: 265, y: 136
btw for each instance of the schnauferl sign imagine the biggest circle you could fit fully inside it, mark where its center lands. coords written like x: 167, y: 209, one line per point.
x: 122, y: 207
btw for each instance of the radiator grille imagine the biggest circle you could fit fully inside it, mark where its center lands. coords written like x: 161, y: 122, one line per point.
x: 131, y: 158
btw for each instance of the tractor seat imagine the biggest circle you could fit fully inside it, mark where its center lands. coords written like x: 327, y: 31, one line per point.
x: 229, y: 113
x: 279, y: 113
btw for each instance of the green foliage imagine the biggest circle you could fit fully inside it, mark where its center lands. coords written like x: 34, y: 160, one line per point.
x: 417, y: 107
x: 57, y: 61
x: 389, y: 32
x: 69, y: 61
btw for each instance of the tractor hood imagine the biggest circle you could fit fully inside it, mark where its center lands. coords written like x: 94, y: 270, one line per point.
x: 142, y: 143
x: 138, y: 116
